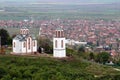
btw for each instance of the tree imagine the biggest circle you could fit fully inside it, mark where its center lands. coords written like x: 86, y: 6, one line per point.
x: 81, y: 49
x: 81, y: 52
x: 5, y: 38
x: 46, y: 44
x: 103, y: 57
x: 91, y: 56
x: 70, y: 52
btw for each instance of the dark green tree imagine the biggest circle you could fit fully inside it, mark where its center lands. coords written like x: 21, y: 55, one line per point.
x: 103, y: 57
x: 5, y: 38
x: 91, y: 56
x: 46, y: 44
x: 2, y: 72
x: 81, y: 52
x: 70, y: 52
x: 81, y: 49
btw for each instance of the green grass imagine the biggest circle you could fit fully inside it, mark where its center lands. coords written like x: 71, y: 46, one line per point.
x: 43, y: 68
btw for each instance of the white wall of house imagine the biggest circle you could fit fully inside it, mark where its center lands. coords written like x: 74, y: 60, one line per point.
x: 29, y: 49
x: 17, y: 47
x: 59, y: 53
x: 14, y: 45
x: 23, y: 48
x: 59, y: 43
x: 35, y: 47
x: 59, y: 47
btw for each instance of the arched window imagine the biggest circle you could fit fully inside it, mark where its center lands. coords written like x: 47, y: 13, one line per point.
x: 29, y: 43
x: 24, y: 32
x: 14, y: 44
x: 55, y: 43
x: 21, y: 31
x: 34, y: 43
x: 27, y: 32
x: 61, y: 33
x: 58, y: 33
x: 24, y: 44
x: 55, y: 33
x: 62, y: 43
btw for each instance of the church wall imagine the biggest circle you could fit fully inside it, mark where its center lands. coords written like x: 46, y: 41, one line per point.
x: 59, y: 48
x: 17, y: 48
x: 35, y: 47
x: 59, y: 43
x: 23, y: 48
x: 14, y: 47
x: 29, y: 45
x: 59, y: 53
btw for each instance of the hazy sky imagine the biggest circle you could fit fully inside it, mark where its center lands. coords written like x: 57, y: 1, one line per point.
x: 67, y: 1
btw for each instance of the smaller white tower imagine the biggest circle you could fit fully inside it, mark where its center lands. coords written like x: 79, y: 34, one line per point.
x: 59, y: 47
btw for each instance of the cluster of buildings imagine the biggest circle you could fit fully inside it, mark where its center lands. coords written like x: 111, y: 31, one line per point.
x: 99, y: 31
x: 100, y: 34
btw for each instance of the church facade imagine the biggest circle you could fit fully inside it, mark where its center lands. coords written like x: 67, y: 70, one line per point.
x: 24, y: 43
x: 59, y: 47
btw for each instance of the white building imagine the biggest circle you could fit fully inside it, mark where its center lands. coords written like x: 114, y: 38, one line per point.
x: 73, y: 42
x: 59, y: 44
x: 24, y: 43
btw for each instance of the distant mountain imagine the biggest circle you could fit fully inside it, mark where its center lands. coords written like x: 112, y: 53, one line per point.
x: 65, y: 1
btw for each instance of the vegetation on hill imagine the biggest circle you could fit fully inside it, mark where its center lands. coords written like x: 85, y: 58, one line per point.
x: 43, y: 68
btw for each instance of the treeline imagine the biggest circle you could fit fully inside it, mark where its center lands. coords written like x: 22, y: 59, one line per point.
x: 99, y: 57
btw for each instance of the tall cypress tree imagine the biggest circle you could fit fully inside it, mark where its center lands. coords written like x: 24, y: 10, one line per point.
x: 4, y: 37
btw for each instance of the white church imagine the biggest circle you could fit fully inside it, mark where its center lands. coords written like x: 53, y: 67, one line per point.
x: 59, y: 47
x: 24, y: 43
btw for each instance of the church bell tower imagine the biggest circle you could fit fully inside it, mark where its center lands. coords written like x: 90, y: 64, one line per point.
x: 59, y: 47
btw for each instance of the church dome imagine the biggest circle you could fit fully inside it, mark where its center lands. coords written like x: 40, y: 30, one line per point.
x: 24, y: 31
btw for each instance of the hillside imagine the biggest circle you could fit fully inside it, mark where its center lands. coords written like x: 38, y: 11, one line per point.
x: 43, y: 68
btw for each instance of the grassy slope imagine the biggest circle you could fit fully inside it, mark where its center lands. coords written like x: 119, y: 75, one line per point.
x: 42, y: 68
